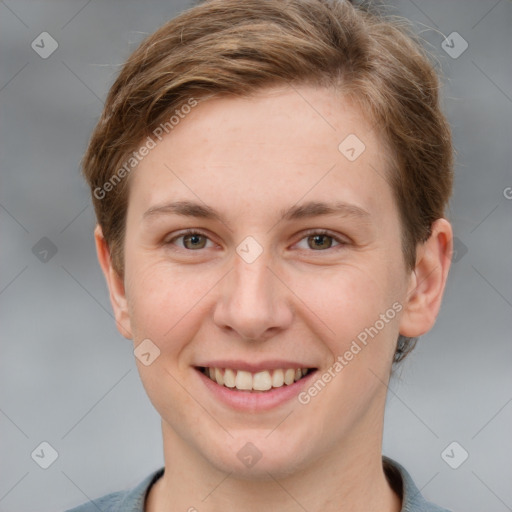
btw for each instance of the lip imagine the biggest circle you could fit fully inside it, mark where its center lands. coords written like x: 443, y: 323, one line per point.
x: 246, y: 401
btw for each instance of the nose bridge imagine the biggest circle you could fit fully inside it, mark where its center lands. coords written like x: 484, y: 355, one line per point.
x: 253, y: 282
x: 252, y: 302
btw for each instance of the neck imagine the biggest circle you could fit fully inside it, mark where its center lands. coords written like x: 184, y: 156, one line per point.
x: 344, y: 479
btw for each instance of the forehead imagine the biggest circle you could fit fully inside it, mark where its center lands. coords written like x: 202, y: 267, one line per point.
x: 275, y: 147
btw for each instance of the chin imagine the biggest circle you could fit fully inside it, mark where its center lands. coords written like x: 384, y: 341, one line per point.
x: 255, y: 456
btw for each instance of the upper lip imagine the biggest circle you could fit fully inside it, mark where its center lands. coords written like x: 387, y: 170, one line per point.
x: 237, y: 364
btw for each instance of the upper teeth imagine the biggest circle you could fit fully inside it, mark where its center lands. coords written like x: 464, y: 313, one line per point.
x: 259, y: 381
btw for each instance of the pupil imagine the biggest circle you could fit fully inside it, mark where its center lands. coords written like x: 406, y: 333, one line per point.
x: 194, y: 240
x: 318, y: 240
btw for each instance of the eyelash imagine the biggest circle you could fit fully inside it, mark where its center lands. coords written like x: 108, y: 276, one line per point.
x: 307, y: 234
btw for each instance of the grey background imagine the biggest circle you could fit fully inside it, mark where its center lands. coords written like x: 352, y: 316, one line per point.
x: 68, y: 378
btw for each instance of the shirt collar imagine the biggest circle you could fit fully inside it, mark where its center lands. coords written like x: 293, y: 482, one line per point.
x: 398, y: 477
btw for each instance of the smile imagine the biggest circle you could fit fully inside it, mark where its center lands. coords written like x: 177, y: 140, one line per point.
x: 261, y: 381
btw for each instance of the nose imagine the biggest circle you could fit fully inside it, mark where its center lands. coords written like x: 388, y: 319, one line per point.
x: 253, y: 302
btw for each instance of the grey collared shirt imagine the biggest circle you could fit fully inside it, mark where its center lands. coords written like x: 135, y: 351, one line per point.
x: 133, y: 500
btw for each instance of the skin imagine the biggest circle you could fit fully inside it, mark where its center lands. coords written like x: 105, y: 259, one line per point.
x: 249, y: 159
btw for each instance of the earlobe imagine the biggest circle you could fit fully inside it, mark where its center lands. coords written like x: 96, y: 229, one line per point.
x: 428, y: 281
x: 115, y: 285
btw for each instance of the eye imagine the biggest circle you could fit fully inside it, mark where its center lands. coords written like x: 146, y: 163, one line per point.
x: 192, y: 240
x: 321, y: 240
x: 317, y: 240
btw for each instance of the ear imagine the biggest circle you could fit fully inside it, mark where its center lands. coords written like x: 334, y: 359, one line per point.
x: 427, y: 281
x: 115, y: 285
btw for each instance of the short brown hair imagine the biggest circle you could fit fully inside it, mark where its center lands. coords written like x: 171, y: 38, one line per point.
x: 238, y: 47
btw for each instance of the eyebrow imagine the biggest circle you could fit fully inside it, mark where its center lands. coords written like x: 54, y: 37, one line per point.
x: 306, y: 210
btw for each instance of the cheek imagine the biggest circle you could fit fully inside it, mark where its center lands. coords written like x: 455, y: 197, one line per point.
x: 344, y: 300
x: 163, y: 300
x: 165, y: 308
x: 360, y: 310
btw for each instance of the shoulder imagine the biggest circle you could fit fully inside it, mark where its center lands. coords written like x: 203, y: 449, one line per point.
x: 108, y: 503
x: 403, y: 485
x: 131, y: 500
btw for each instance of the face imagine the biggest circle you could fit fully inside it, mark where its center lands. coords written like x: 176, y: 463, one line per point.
x: 232, y: 261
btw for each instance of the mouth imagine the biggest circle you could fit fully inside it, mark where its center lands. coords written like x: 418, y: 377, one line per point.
x: 264, y: 381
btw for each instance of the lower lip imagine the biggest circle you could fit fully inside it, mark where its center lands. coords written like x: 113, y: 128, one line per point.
x: 255, y: 401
